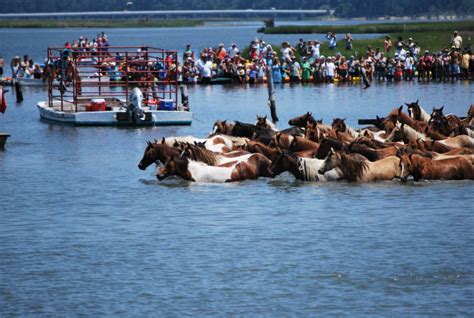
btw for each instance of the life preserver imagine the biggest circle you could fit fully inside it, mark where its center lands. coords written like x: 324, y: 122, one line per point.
x: 3, y: 101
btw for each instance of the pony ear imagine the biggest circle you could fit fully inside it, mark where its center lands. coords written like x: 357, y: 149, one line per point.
x: 344, y: 119
x: 400, y: 109
x: 156, y: 141
x: 204, y: 142
x: 148, y: 143
x: 408, y: 105
x: 163, y: 140
x: 195, y: 143
x: 265, y: 118
x: 441, y: 109
x: 416, y: 102
x: 224, y: 122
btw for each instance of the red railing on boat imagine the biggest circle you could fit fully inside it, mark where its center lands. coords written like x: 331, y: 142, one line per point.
x: 79, y: 75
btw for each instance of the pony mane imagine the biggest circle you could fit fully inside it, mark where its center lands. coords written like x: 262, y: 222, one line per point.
x: 204, y: 155
x: 309, y: 168
x: 353, y: 168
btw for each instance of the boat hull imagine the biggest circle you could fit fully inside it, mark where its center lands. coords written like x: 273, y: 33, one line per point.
x: 116, y: 117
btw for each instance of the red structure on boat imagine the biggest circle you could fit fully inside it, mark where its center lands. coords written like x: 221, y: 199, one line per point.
x: 102, y: 81
x: 81, y: 76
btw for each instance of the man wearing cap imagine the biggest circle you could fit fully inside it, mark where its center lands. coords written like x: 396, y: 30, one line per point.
x: 457, y: 40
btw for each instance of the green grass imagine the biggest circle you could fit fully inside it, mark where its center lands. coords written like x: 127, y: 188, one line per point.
x: 373, y: 28
x: 73, y: 23
x: 433, y: 41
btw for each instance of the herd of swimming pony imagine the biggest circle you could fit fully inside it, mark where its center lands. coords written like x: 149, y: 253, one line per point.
x: 401, y: 145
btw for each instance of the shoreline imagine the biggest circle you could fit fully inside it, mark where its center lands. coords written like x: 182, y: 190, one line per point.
x: 103, y: 23
x: 383, y: 28
x: 156, y: 23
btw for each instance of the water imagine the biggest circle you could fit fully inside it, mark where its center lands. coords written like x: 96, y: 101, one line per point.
x: 84, y: 231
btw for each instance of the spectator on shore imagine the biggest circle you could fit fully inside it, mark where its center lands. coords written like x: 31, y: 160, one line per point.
x: 332, y: 40
x: 400, y: 44
x: 330, y: 70
x: 348, y: 41
x: 456, y: 40
x: 315, y: 50
x: 466, y: 57
x: 287, y: 52
x: 387, y: 44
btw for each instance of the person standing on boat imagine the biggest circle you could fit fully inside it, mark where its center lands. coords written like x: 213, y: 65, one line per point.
x: 205, y: 69
x: 188, y: 53
x: 16, y: 67
x: 220, y: 53
x: 233, y: 50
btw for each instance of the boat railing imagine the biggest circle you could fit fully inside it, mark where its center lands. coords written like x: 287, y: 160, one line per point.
x: 110, y: 73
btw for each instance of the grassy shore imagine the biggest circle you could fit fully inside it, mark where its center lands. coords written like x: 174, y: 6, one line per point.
x: 73, y: 23
x: 388, y: 28
x: 433, y: 41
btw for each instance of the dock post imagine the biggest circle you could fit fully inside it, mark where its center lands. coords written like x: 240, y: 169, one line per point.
x: 271, y: 91
x: 19, y: 93
x: 184, y: 96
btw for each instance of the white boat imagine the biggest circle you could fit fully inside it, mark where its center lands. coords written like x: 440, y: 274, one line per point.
x: 139, y: 98
x: 114, y: 115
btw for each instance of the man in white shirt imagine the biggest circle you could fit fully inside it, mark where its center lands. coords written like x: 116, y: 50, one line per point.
x: 330, y: 68
x: 332, y: 40
x: 315, y: 52
x: 205, y: 69
x: 233, y: 50
x: 457, y: 40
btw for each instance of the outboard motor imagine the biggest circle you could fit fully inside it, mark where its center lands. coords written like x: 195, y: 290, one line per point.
x: 136, y: 112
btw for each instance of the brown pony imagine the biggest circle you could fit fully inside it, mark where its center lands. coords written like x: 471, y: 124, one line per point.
x: 339, y: 125
x: 424, y: 168
x: 416, y: 112
x: 254, y: 166
x: 356, y: 168
x: 156, y: 152
x: 264, y: 123
x: 302, y: 144
x: 304, y: 169
x: 198, y: 152
x: 302, y: 121
x: 258, y: 147
x: 222, y: 127
x: 372, y: 154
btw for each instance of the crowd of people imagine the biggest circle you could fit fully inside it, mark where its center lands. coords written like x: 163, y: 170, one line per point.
x: 26, y: 67
x: 303, y: 62
x: 402, y: 60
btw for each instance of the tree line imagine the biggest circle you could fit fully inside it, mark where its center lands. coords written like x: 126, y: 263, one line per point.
x: 343, y: 8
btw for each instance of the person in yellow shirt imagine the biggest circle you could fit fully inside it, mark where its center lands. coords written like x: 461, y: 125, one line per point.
x: 465, y: 58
